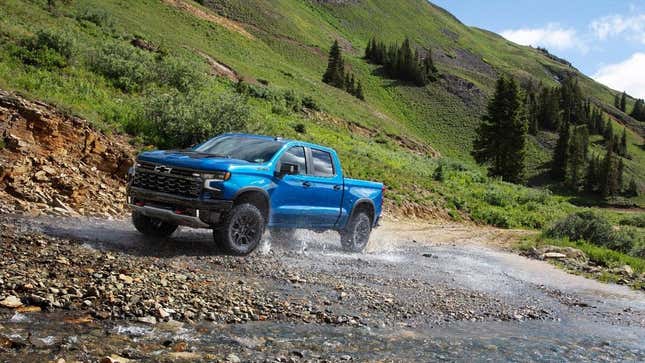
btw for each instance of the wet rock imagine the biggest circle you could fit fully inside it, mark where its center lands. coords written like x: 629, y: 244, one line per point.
x: 232, y: 358
x: 554, y: 255
x: 147, y: 320
x: 11, y: 302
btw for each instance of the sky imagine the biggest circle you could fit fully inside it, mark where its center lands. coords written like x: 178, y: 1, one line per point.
x: 605, y: 39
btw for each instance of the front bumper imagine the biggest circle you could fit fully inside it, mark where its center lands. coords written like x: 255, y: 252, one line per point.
x: 178, y: 210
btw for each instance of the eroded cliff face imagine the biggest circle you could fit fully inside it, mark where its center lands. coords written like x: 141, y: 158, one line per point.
x: 54, y: 163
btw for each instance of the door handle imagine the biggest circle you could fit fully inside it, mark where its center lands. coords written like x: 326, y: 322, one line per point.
x: 306, y: 184
x: 337, y: 187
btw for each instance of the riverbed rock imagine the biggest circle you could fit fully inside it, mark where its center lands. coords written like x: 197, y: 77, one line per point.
x: 11, y: 302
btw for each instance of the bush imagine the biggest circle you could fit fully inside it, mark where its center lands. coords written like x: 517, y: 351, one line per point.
x: 310, y: 103
x: 636, y: 221
x: 292, y: 101
x: 180, y: 74
x: 595, y: 229
x: 48, y: 48
x: 128, y: 67
x: 99, y: 17
x: 584, y: 225
x: 182, y: 120
x: 300, y: 128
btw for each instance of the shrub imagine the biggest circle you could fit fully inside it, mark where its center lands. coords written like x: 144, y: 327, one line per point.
x: 497, y: 198
x: 595, y: 229
x: 48, y: 48
x: 99, y: 17
x: 181, y: 120
x: 584, y: 225
x: 292, y: 101
x: 636, y: 221
x: 310, y: 103
x: 182, y: 75
x: 128, y: 67
x: 300, y: 128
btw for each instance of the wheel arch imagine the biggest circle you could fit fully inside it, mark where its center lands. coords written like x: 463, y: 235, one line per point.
x: 255, y: 196
x: 363, y: 204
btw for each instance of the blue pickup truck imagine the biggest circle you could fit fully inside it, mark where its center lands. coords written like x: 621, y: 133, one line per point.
x: 238, y: 185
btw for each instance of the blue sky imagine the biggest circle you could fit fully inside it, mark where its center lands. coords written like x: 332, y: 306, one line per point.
x: 604, y: 39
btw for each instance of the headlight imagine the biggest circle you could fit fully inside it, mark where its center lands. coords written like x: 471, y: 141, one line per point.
x: 216, y: 176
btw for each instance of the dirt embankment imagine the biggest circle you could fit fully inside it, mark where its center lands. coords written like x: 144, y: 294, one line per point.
x: 54, y: 163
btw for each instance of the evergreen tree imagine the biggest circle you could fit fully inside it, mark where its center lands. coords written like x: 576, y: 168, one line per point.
x: 609, y: 184
x: 549, y: 109
x: 532, y: 110
x: 359, y: 91
x: 622, y: 150
x: 617, y: 101
x: 632, y: 189
x: 560, y: 155
x: 619, y: 176
x: 577, y: 157
x: 505, y: 116
x: 638, y: 112
x: 335, y: 67
x: 592, y: 178
x: 609, y: 132
x: 623, y: 102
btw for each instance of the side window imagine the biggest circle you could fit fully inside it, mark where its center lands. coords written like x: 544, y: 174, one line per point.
x: 295, y: 155
x: 323, y: 165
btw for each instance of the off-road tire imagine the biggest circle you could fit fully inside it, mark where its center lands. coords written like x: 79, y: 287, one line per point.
x: 355, y: 236
x: 152, y: 227
x: 241, y: 231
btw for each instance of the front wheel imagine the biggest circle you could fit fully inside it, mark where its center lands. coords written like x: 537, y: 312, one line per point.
x: 152, y: 226
x: 356, y: 234
x: 241, y: 231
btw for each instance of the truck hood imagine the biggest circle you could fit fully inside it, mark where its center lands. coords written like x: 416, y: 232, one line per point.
x: 189, y: 159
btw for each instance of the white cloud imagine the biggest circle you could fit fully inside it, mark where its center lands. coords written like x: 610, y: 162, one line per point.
x: 613, y: 25
x: 628, y: 75
x: 552, y: 37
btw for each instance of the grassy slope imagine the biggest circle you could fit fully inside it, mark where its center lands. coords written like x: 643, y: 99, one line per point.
x: 290, y: 39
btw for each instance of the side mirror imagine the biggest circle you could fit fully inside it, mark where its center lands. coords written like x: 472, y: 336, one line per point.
x: 287, y: 169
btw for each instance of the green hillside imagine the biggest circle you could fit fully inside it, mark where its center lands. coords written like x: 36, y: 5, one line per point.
x: 280, y: 47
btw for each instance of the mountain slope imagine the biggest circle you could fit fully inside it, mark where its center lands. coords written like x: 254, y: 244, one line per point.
x: 283, y: 44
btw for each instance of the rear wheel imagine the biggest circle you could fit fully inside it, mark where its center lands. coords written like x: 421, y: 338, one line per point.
x: 153, y: 227
x: 355, y: 236
x: 241, y: 231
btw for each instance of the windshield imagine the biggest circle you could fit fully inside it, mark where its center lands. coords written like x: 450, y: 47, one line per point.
x: 251, y: 149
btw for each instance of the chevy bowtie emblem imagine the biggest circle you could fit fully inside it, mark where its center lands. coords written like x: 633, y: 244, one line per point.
x: 162, y: 169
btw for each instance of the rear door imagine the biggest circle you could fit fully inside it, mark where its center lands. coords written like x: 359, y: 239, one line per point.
x: 325, y: 186
x: 291, y: 198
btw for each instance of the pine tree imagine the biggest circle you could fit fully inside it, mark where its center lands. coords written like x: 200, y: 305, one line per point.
x: 619, y: 175
x: 549, y: 110
x: 638, y: 112
x: 609, y: 132
x: 577, y: 157
x: 505, y: 116
x: 359, y: 91
x: 632, y: 189
x: 560, y: 155
x: 591, y: 178
x: 617, y: 101
x: 335, y: 67
x: 623, y: 102
x: 609, y: 184
x: 623, y: 144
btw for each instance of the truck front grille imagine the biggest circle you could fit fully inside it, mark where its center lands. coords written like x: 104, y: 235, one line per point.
x: 180, y: 182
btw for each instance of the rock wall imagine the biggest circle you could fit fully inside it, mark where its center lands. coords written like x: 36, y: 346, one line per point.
x: 57, y: 164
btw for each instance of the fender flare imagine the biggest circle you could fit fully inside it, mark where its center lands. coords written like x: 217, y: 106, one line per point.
x: 264, y: 193
x: 362, y: 201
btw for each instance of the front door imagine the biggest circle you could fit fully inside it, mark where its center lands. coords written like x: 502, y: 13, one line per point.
x: 290, y: 200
